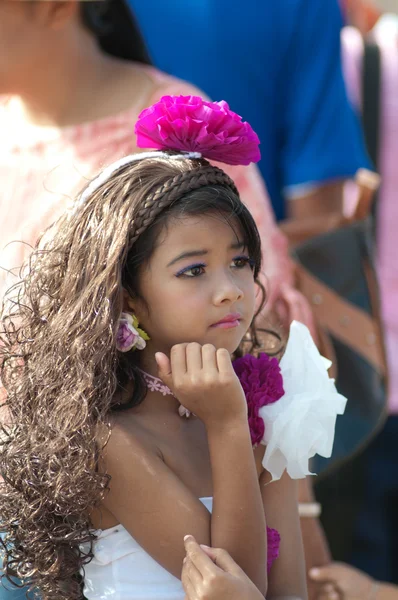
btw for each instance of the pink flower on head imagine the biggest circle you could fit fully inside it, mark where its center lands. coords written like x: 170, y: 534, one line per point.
x: 191, y: 124
x: 262, y: 382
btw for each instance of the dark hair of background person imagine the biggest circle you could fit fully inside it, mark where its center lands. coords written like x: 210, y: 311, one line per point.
x: 116, y: 29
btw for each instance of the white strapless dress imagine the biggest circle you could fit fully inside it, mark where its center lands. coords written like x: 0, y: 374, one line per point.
x: 122, y: 570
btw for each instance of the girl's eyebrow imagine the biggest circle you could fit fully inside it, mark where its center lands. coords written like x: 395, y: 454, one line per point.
x: 192, y: 253
x: 188, y: 255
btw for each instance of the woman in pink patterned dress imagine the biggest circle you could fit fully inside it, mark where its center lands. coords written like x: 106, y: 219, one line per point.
x: 67, y: 108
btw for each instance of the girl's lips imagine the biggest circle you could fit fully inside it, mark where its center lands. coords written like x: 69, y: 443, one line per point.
x: 226, y: 324
x: 229, y: 321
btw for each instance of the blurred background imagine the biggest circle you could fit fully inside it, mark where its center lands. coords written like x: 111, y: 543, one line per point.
x: 318, y: 81
x: 387, y: 5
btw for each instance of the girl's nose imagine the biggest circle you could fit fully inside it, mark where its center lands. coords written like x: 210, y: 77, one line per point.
x: 227, y: 290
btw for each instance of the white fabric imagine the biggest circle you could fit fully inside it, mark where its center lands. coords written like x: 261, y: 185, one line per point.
x: 122, y: 570
x: 302, y: 423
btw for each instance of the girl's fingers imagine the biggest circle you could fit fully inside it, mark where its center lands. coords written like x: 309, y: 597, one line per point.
x: 209, y: 360
x: 178, y: 361
x: 224, y: 363
x: 197, y: 556
x: 224, y: 561
x: 194, y: 574
x: 164, y: 368
x: 189, y: 589
x: 194, y: 358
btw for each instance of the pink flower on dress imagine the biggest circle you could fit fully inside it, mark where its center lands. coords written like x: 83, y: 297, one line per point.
x: 262, y: 382
x: 273, y: 541
x: 191, y: 124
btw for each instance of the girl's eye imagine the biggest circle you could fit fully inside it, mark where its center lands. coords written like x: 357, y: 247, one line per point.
x: 193, y: 271
x: 242, y: 261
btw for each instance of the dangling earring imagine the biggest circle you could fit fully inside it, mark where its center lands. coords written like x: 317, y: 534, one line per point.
x: 129, y: 336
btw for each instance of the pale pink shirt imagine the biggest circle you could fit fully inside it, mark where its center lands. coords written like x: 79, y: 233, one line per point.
x: 42, y: 169
x: 386, y: 35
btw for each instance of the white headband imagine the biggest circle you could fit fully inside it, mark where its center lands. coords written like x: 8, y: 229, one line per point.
x: 106, y: 173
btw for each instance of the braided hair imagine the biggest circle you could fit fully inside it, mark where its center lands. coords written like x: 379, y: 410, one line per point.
x: 173, y: 189
x: 59, y: 362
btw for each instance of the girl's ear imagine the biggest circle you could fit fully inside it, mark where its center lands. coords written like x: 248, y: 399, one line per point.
x: 128, y: 302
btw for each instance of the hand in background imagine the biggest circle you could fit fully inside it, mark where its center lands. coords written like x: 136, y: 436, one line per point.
x: 212, y: 574
x: 338, y: 580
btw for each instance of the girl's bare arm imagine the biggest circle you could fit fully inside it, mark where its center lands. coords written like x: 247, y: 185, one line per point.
x: 238, y: 515
x: 288, y: 577
x: 158, y: 510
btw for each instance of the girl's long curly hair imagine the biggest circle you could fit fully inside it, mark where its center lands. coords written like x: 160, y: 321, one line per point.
x: 59, y: 364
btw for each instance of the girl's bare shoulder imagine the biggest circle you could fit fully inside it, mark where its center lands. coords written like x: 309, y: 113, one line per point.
x: 126, y: 432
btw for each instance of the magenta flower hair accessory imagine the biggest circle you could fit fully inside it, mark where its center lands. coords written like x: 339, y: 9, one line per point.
x: 129, y: 336
x: 262, y: 382
x: 191, y: 124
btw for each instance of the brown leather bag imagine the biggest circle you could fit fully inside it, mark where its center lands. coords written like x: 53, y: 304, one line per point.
x: 334, y: 258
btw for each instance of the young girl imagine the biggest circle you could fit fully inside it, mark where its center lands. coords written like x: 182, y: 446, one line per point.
x: 153, y: 272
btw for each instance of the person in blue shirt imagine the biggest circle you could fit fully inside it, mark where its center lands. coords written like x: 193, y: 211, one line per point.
x: 277, y: 62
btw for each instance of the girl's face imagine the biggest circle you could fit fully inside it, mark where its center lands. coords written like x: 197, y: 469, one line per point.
x: 198, y: 286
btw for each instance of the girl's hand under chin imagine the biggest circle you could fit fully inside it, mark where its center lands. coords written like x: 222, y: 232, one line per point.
x: 204, y: 381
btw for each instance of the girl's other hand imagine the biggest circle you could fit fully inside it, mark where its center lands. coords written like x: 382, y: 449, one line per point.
x: 342, y: 581
x: 204, y: 381
x: 211, y: 574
